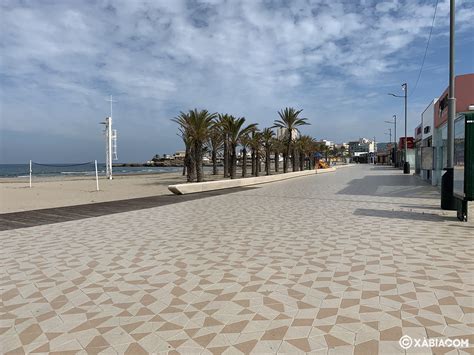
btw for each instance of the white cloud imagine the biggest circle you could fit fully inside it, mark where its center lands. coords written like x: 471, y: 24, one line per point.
x: 247, y: 56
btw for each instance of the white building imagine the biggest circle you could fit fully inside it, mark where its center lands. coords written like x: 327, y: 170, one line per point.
x: 426, y: 155
x: 327, y: 143
x: 180, y: 154
x: 281, y: 133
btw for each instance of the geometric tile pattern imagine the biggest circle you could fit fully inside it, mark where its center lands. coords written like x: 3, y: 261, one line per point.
x: 330, y: 264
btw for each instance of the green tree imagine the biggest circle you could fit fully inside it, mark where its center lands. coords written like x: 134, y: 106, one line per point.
x: 245, y: 143
x: 223, y: 124
x: 278, y: 147
x: 255, y: 141
x: 289, y: 121
x: 196, y: 126
x: 236, y: 130
x: 305, y: 145
x: 267, y: 140
x: 215, y: 144
x: 189, y: 169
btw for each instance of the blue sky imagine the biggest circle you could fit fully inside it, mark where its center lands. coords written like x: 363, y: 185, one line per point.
x: 336, y: 60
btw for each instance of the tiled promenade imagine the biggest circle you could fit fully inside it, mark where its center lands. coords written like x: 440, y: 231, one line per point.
x: 332, y: 264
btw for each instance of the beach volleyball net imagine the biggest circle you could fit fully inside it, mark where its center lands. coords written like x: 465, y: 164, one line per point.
x: 77, y: 169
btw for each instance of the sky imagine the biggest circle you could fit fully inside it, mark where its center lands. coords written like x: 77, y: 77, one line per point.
x: 336, y: 60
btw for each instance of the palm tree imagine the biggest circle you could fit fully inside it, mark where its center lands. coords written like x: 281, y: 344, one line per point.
x: 335, y: 153
x: 305, y: 147
x: 254, y: 146
x: 199, y: 126
x: 183, y: 119
x: 267, y: 139
x: 223, y: 123
x: 244, y: 142
x: 343, y: 151
x: 235, y: 132
x: 327, y: 150
x: 278, y: 147
x: 312, y: 149
x: 215, y: 144
x: 289, y: 121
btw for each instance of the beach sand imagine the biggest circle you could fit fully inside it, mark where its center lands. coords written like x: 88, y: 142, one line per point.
x: 16, y: 195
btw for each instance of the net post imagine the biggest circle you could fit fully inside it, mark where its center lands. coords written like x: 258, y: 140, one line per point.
x: 30, y: 173
x: 96, y: 176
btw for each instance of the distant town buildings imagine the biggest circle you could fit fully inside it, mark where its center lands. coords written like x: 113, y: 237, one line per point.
x: 362, y: 150
x: 281, y: 133
x: 326, y: 143
x: 180, y: 154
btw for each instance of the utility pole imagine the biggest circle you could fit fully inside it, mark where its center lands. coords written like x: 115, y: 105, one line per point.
x: 390, y: 134
x: 394, y: 122
x: 447, y: 199
x: 406, y: 164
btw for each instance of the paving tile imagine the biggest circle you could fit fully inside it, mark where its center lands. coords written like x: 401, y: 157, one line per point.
x: 332, y: 264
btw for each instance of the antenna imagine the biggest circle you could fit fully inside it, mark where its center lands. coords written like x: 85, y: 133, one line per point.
x: 111, y: 100
x: 110, y: 141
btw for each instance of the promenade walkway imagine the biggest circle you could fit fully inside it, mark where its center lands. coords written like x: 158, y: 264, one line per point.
x: 338, y: 263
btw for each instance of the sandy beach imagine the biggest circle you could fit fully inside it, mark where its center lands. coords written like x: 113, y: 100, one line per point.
x: 16, y: 195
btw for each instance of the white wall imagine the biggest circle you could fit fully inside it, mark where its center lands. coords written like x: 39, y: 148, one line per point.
x: 427, y: 120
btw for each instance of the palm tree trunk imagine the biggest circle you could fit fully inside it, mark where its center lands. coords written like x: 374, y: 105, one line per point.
x: 214, y: 162
x: 230, y: 164
x: 277, y: 160
x: 293, y: 160
x: 184, y: 161
x: 301, y: 161
x: 267, y: 162
x: 186, y: 157
x: 190, y: 165
x: 253, y: 162
x: 285, y: 158
x: 198, y: 161
x: 233, y: 161
x: 244, y: 162
x: 257, y: 163
x: 226, y: 157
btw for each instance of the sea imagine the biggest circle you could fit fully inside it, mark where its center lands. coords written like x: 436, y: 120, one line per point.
x: 55, y: 170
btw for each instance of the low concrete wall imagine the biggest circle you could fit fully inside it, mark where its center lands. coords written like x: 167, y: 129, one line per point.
x: 193, y: 187
x: 343, y: 166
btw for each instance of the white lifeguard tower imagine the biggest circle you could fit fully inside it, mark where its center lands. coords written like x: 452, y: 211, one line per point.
x: 110, y: 143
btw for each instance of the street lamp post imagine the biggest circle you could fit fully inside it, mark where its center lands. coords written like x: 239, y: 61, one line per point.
x: 448, y: 201
x: 406, y: 164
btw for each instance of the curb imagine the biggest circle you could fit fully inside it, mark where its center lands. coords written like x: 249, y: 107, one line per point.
x: 195, y: 187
